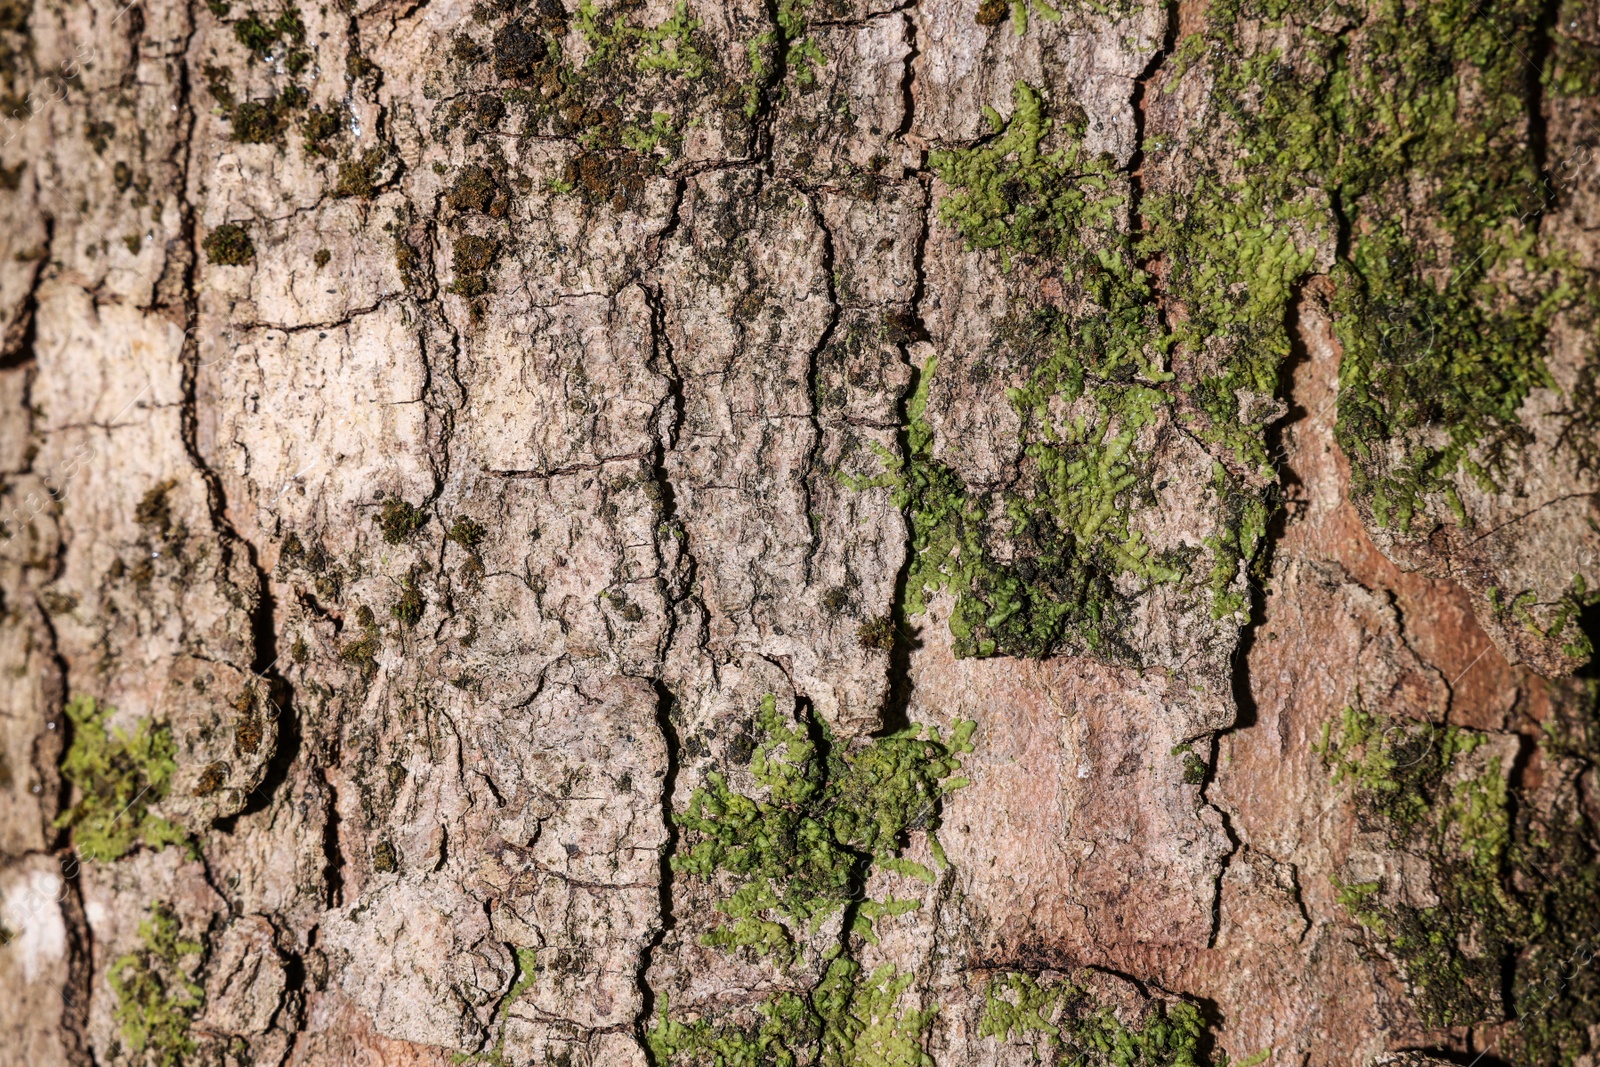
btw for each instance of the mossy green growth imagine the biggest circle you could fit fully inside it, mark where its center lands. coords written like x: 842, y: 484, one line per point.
x: 1412, y: 123
x: 802, y: 851
x: 361, y: 176
x: 1391, y: 153
x: 626, y: 103
x: 229, y: 245
x: 467, y: 532
x: 1518, y: 889
x: 1098, y: 381
x: 1074, y: 537
x: 851, y: 1019
x: 788, y: 47
x: 409, y: 608
x: 399, y: 520
x: 157, y: 1000
x: 667, y: 48
x: 118, y: 776
x: 1064, y: 1017
x: 1016, y: 194
x: 261, y: 35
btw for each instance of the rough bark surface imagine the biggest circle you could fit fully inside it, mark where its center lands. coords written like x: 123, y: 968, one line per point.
x: 807, y: 532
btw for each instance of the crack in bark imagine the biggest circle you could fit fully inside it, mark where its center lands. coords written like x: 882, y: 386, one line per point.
x: 679, y: 588
x: 896, y: 711
x: 809, y: 467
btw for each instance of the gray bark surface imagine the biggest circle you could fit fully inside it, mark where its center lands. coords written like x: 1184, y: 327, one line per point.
x: 456, y: 533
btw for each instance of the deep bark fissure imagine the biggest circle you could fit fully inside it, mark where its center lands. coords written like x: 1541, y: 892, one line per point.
x: 1537, y: 61
x: 896, y: 712
x: 813, y: 358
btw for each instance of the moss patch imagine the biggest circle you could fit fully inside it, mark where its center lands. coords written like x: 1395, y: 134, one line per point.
x: 263, y: 35
x: 474, y: 258
x: 1392, y: 152
x: 399, y: 520
x: 1066, y: 1019
x: 850, y: 1020
x: 829, y: 815
x: 467, y: 532
x: 1518, y: 888
x: 117, y: 776
x: 229, y: 245
x: 1098, y: 382
x: 362, y: 176
x: 800, y: 854
x: 1413, y: 123
x: 157, y: 999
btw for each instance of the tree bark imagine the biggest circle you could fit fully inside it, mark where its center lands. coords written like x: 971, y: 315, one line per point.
x: 817, y: 532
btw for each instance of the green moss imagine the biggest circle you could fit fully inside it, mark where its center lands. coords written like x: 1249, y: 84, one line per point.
x: 627, y: 101
x: 399, y: 520
x: 1518, y: 888
x: 1396, y: 142
x: 229, y: 245
x: 527, y: 961
x: 1412, y: 125
x: 117, y: 776
x: 789, y: 48
x: 263, y: 121
x: 474, y: 259
x: 319, y: 128
x: 409, y: 608
x: 385, y: 860
x: 1075, y: 554
x: 607, y: 178
x: 157, y: 1000
x: 154, y: 509
x: 477, y: 189
x: 1019, y: 14
x: 992, y: 13
x: 877, y: 633
x: 1065, y: 1018
x: 801, y: 852
x: 466, y: 532
x: 361, y: 176
x: 219, y: 80
x: 849, y: 1020
x: 261, y: 36
x: 362, y: 652
x: 666, y: 48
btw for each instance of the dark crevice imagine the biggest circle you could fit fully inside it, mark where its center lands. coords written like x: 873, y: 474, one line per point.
x: 1241, y: 675
x: 80, y: 973
x: 809, y: 469
x: 17, y: 345
x: 1245, y: 710
x: 332, y: 854
x: 1589, y: 624
x: 262, y: 612
x: 1341, y: 218
x: 761, y: 121
x: 908, y: 98
x: 1538, y: 59
x: 896, y: 714
x: 668, y: 422
x: 665, y: 703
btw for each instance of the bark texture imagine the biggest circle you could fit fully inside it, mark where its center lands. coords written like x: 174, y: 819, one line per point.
x: 839, y: 532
